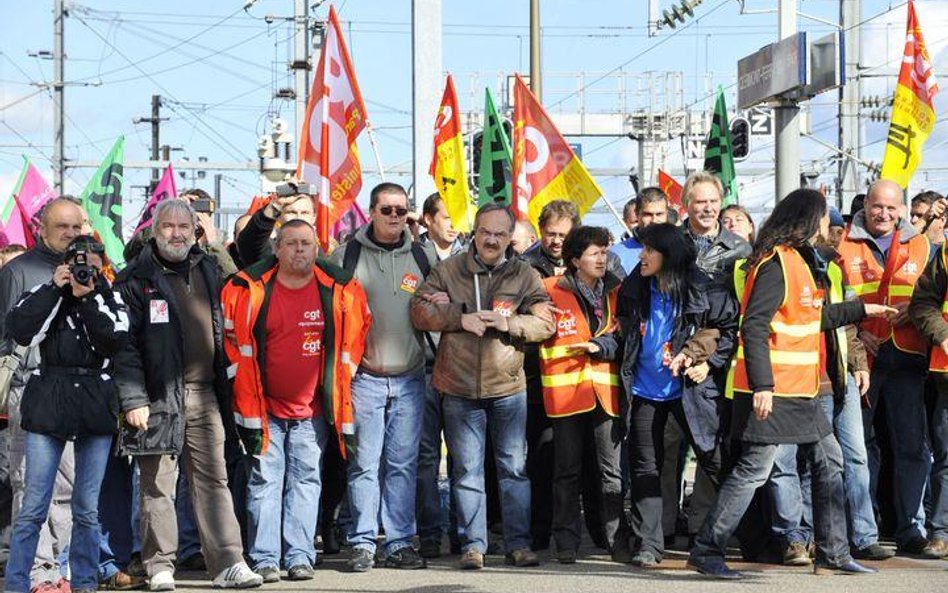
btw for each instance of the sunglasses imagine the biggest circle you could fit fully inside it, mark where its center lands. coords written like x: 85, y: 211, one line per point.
x: 387, y: 211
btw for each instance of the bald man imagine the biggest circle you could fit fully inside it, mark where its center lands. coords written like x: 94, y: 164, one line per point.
x: 61, y: 221
x: 882, y: 257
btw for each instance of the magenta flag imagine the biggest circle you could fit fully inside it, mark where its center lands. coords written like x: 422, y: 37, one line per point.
x: 164, y: 190
x: 348, y: 223
x: 21, y: 213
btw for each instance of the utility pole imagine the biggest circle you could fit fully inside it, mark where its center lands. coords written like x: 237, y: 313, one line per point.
x: 300, y: 64
x: 535, y: 83
x: 787, y: 117
x: 426, y: 85
x: 850, y: 126
x: 59, y: 16
x: 155, y: 121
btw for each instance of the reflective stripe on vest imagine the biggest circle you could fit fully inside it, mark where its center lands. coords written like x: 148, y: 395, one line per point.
x: 864, y: 276
x: 794, y: 356
x: 572, y: 380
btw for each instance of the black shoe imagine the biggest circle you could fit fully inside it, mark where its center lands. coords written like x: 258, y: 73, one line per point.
x: 644, y: 559
x: 330, y: 540
x: 300, y: 572
x: 851, y: 567
x: 872, y: 552
x: 914, y: 546
x: 194, y: 562
x: 406, y: 559
x: 714, y: 568
x: 361, y: 560
x: 566, y: 556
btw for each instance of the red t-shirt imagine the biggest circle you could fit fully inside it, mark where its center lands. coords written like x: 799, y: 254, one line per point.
x: 294, y: 354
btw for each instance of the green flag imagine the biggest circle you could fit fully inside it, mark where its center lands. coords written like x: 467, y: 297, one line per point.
x: 718, y: 153
x: 102, y: 200
x: 496, y: 158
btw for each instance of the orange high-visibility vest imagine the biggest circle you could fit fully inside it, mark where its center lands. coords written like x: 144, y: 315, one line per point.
x: 938, y: 362
x: 891, y: 284
x: 794, y: 331
x: 572, y: 380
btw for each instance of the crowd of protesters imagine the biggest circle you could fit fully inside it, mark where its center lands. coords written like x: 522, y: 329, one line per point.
x: 248, y: 408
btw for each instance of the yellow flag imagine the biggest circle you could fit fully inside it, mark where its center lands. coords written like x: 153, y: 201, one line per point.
x: 913, y: 110
x: 447, y: 162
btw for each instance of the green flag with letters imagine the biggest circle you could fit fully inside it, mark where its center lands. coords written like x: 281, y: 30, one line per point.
x: 718, y: 153
x: 496, y: 158
x: 102, y: 201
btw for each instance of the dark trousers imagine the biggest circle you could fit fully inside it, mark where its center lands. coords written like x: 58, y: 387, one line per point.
x: 647, y: 452
x: 540, y: 471
x: 751, y: 470
x: 333, y: 487
x: 572, y: 436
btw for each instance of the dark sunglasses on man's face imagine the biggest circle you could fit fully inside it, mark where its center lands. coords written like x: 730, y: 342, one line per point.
x: 387, y: 211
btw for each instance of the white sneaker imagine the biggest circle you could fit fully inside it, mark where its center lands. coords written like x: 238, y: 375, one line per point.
x: 163, y: 581
x: 238, y: 576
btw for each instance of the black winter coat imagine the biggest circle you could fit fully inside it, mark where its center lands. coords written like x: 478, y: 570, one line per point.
x: 705, y: 308
x: 72, y: 393
x: 150, y: 372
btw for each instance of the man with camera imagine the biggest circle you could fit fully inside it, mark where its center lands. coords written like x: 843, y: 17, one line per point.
x: 77, y: 324
x: 293, y: 200
x: 60, y: 223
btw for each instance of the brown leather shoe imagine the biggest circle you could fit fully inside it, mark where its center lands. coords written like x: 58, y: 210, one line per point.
x: 121, y: 581
x: 471, y: 559
x: 524, y: 557
x: 937, y: 548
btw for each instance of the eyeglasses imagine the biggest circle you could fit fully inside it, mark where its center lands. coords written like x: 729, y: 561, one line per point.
x: 387, y: 211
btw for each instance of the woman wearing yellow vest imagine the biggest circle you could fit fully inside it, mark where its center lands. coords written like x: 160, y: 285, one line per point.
x: 676, y: 327
x: 580, y: 379
x: 782, y: 368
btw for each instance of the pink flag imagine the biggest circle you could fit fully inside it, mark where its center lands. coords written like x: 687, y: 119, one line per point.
x: 164, y: 190
x: 352, y: 220
x: 20, y: 214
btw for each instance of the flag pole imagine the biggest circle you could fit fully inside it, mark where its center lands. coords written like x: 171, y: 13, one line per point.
x: 616, y: 214
x: 375, y: 148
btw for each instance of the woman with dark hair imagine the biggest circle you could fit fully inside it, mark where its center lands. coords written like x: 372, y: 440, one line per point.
x: 581, y: 391
x: 789, y: 313
x: 737, y: 219
x: 675, y: 329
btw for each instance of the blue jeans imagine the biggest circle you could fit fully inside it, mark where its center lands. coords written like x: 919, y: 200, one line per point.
x: 115, y: 496
x: 283, y: 494
x: 384, y: 465
x: 466, y: 423
x: 846, y: 418
x: 43, y: 453
x: 940, y: 465
x: 751, y: 470
x: 189, y: 541
x: 899, y: 379
x: 790, y: 495
x: 428, y: 496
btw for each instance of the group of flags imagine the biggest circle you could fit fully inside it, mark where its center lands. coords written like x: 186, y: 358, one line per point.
x: 526, y: 172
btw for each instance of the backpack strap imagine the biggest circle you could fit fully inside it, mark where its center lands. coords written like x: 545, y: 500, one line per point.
x: 350, y: 259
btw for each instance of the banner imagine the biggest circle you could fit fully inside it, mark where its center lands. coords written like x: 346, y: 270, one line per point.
x: 350, y: 222
x: 544, y: 166
x: 335, y: 116
x: 718, y: 153
x: 673, y: 190
x: 20, y: 216
x: 496, y: 157
x: 102, y: 200
x: 913, y: 109
x: 447, y: 161
x: 165, y: 189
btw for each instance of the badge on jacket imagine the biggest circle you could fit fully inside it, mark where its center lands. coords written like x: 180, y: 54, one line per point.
x: 159, y: 311
x: 409, y: 283
x: 505, y: 308
x: 566, y: 324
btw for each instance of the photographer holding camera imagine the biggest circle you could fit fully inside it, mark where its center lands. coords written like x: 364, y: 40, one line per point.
x: 78, y: 324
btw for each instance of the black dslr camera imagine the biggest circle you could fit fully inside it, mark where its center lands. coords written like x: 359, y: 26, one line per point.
x: 80, y: 268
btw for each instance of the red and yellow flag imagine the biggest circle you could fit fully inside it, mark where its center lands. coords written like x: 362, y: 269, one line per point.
x: 335, y: 116
x: 913, y: 110
x: 447, y: 161
x: 672, y: 189
x: 544, y: 166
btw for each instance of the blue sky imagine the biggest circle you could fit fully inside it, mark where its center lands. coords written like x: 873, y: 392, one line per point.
x: 217, y: 67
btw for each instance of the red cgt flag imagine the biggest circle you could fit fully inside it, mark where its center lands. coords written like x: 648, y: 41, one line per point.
x: 335, y: 116
x: 672, y: 189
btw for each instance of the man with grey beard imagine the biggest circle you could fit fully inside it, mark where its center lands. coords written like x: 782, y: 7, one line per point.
x: 175, y: 394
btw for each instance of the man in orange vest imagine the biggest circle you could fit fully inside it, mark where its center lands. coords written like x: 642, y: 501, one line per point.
x: 295, y: 335
x: 882, y: 257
